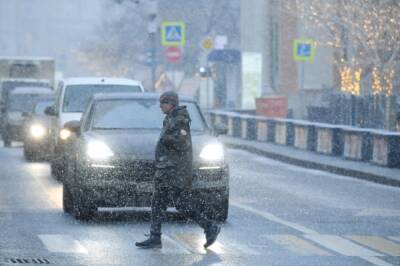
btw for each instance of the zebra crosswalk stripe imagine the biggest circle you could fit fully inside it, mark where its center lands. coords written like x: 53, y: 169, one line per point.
x: 171, y: 246
x: 342, y: 246
x: 298, y: 245
x: 378, y: 243
x: 62, y: 244
x: 395, y: 238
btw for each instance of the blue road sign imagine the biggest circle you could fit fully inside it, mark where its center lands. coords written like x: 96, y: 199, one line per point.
x: 173, y: 33
x: 303, y: 50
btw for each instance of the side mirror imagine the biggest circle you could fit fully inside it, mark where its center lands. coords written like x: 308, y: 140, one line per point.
x: 50, y: 111
x: 73, y: 126
x: 220, y: 129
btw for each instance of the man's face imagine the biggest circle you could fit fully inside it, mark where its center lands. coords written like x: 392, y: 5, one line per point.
x: 166, y: 107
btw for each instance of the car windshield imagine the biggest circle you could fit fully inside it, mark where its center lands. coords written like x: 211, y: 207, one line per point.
x: 41, y: 107
x: 77, y: 97
x: 137, y: 114
x: 23, y: 102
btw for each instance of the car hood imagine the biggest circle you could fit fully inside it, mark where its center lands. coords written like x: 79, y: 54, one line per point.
x: 15, y: 118
x: 141, y: 144
x: 39, y: 119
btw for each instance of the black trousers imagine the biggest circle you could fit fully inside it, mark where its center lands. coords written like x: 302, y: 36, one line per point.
x: 182, y: 201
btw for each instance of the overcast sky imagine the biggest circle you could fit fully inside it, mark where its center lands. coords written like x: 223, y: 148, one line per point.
x: 48, y: 28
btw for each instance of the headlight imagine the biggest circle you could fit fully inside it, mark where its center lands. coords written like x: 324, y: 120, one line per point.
x: 37, y: 131
x: 212, y: 152
x: 98, y: 150
x: 65, y: 134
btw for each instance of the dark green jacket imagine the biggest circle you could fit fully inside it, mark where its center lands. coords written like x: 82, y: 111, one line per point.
x: 174, y: 150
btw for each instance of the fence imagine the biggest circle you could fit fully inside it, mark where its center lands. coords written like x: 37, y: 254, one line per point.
x: 372, y: 111
x: 371, y: 145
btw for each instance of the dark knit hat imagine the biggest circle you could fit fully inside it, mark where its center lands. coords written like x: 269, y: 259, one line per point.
x: 170, y: 97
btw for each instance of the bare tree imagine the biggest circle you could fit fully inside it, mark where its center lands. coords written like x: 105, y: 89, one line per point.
x: 122, y: 44
x: 364, y: 33
x: 119, y: 41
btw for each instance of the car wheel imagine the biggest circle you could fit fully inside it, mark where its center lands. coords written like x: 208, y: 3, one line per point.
x: 57, y: 170
x: 83, y: 207
x: 68, y: 200
x: 6, y: 137
x: 7, y: 142
x: 29, y: 155
x: 222, y: 210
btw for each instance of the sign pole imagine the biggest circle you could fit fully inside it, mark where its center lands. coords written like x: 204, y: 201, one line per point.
x: 207, y: 89
x: 302, y: 74
x: 153, y: 61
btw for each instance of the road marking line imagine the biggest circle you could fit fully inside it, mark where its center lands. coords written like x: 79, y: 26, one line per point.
x: 330, y: 243
x: 180, y: 247
x: 379, y: 213
x: 62, y: 244
x: 342, y: 245
x: 273, y: 218
x: 298, y: 245
x: 195, y: 243
x: 242, y: 249
x: 378, y: 243
x: 396, y: 238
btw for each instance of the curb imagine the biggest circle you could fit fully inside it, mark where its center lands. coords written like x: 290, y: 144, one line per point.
x: 380, y: 179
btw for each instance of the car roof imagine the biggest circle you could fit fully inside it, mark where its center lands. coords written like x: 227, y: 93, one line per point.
x: 101, y: 80
x: 32, y: 90
x: 30, y: 58
x: 135, y: 95
x: 25, y: 80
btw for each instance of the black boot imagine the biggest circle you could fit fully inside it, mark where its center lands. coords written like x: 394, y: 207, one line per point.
x: 211, y: 234
x: 154, y: 241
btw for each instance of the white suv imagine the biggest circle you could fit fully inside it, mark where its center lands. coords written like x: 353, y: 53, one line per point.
x: 72, y: 97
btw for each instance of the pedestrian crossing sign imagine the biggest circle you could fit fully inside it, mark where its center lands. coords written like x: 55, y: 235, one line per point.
x: 303, y: 50
x: 173, y: 33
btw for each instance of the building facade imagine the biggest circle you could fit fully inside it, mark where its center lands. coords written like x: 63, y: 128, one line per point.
x: 268, y: 32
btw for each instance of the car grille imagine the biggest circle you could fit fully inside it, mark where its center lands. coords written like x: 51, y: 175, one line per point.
x: 138, y: 170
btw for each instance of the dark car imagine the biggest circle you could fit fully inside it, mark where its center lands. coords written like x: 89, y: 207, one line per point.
x: 6, y: 87
x: 110, y: 162
x: 37, y: 127
x: 20, y: 100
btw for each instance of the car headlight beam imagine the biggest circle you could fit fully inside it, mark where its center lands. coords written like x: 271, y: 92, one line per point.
x: 212, y: 152
x: 65, y: 134
x: 98, y: 150
x: 37, y: 131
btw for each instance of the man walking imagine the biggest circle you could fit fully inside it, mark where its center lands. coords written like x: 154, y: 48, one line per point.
x: 173, y: 175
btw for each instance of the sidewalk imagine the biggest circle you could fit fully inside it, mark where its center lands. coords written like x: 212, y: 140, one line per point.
x: 314, y: 160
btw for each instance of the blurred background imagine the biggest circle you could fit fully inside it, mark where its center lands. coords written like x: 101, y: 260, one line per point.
x: 327, y: 61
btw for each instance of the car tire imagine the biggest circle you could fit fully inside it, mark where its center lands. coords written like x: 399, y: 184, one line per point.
x: 57, y: 170
x: 29, y: 155
x: 83, y: 207
x: 222, y: 210
x: 7, y: 142
x: 6, y: 137
x: 68, y: 200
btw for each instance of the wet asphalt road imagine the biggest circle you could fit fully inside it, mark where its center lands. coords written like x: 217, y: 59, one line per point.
x: 279, y: 215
